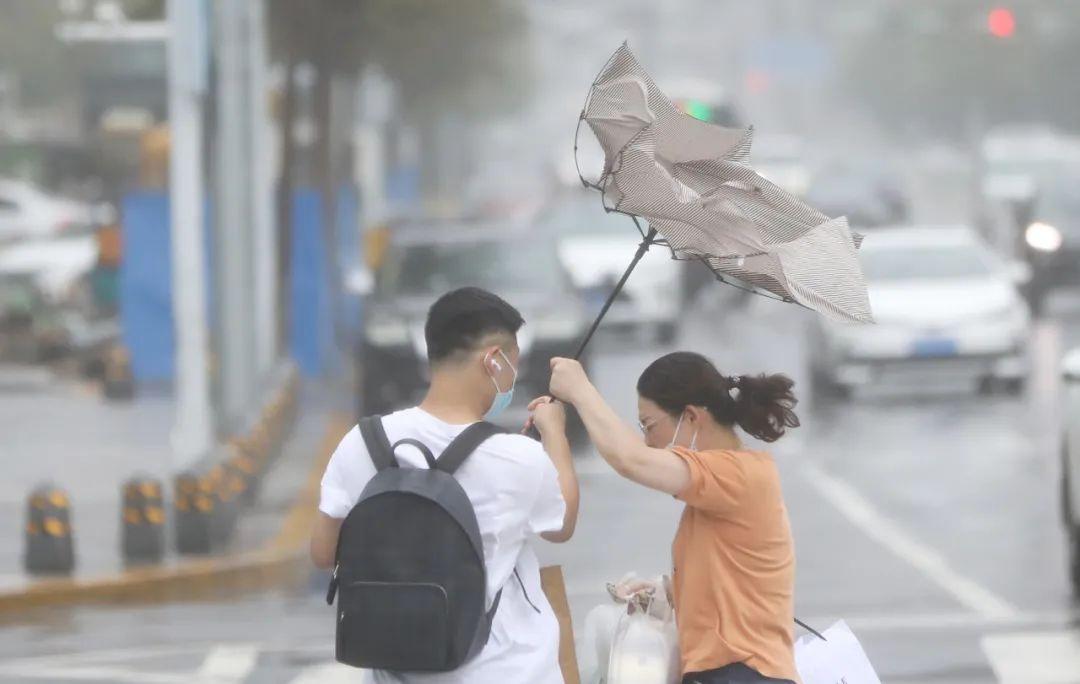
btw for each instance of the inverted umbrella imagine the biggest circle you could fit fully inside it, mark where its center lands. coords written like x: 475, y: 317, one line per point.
x: 689, y: 179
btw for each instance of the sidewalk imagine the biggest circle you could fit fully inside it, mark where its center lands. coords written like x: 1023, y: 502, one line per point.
x: 62, y: 432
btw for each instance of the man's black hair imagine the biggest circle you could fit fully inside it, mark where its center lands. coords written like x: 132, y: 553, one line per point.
x: 460, y: 319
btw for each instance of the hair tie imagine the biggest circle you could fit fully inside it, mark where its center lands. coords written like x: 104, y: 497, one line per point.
x: 734, y: 387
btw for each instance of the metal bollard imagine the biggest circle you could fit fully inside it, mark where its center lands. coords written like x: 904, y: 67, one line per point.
x: 119, y: 380
x: 49, y: 546
x: 142, y: 521
x: 244, y: 474
x: 225, y: 511
x: 193, y: 507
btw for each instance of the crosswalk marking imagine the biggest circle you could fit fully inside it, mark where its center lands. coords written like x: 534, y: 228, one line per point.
x: 1034, y: 657
x: 331, y: 673
x: 228, y: 664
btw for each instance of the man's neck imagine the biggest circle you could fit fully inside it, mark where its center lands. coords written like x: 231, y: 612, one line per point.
x: 450, y: 400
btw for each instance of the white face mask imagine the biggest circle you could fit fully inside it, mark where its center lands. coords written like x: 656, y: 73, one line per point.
x: 675, y: 437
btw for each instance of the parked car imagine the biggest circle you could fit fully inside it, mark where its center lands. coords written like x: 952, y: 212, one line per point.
x: 27, y: 212
x: 425, y: 260
x: 596, y: 246
x: 46, y: 304
x: 945, y: 306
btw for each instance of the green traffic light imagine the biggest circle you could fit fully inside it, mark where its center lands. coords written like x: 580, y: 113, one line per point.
x: 698, y: 110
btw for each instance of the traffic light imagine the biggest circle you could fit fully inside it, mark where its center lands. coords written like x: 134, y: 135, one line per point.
x: 1001, y: 23
x: 697, y: 109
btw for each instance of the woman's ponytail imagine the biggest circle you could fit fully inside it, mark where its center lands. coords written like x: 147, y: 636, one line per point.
x: 763, y: 405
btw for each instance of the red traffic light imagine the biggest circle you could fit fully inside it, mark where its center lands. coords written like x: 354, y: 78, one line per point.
x: 1001, y: 22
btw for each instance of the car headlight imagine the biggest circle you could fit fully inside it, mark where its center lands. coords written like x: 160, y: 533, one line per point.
x: 1043, y: 237
x: 387, y: 332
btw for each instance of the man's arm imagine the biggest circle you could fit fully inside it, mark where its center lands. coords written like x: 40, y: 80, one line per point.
x: 324, y: 539
x: 550, y: 420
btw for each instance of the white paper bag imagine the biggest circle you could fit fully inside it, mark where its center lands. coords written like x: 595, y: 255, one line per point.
x: 839, y: 660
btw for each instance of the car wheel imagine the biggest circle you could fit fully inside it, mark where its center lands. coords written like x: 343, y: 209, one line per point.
x: 1036, y: 299
x: 1074, y: 561
x: 1013, y: 386
x: 1072, y: 536
x: 576, y: 433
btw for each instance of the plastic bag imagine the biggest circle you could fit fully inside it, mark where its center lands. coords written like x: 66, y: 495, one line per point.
x: 634, y: 639
x: 645, y: 650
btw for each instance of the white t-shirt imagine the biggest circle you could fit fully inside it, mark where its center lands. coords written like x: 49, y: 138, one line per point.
x: 514, y: 489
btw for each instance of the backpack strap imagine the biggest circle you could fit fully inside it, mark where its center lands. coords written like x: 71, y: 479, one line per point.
x: 378, y: 444
x: 466, y: 443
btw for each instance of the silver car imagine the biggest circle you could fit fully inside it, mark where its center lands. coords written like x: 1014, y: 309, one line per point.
x: 946, y: 308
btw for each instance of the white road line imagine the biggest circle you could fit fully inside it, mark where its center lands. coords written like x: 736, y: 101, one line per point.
x: 862, y: 514
x: 898, y: 622
x: 331, y: 673
x: 228, y: 664
x: 1035, y: 657
x: 94, y: 674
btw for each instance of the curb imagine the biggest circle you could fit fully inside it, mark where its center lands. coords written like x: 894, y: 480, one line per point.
x: 280, y: 561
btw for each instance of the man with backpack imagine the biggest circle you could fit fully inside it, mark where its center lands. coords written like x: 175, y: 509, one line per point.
x: 427, y: 515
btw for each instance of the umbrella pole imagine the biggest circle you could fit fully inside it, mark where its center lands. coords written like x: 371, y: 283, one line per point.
x: 530, y: 429
x: 642, y: 248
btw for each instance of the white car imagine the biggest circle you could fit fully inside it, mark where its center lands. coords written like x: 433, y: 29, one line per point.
x: 1070, y: 464
x: 946, y: 308
x: 781, y: 159
x: 596, y: 247
x: 27, y: 212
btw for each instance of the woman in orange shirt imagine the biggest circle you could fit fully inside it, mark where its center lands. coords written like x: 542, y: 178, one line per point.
x: 734, y: 560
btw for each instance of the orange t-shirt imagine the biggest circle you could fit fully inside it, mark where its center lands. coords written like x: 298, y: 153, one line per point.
x: 734, y: 565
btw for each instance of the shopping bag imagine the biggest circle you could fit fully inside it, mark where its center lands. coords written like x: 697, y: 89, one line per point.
x: 645, y: 650
x: 838, y: 659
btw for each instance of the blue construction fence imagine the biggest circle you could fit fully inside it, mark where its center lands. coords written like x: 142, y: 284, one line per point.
x: 146, y: 311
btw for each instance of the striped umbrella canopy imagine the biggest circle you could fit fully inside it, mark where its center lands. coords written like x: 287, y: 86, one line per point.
x: 691, y: 181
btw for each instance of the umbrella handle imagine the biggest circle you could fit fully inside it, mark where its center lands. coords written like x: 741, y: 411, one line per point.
x: 530, y: 430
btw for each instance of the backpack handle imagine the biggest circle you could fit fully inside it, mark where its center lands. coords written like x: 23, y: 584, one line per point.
x: 428, y: 456
x: 382, y: 452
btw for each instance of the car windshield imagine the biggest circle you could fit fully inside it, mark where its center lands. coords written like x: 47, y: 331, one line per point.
x: 922, y: 262
x: 586, y: 218
x: 497, y: 265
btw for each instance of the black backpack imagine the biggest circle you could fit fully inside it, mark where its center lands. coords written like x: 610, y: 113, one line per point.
x: 410, y: 564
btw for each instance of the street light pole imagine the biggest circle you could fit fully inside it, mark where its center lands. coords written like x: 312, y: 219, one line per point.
x: 192, y: 434
x: 262, y: 195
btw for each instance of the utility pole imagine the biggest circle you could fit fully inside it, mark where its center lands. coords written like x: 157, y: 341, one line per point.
x: 192, y: 434
x: 262, y: 195
x: 233, y: 218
